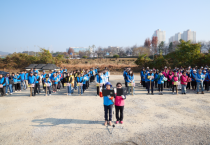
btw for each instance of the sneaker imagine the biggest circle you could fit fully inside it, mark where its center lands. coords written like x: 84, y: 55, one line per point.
x: 121, y: 122
x: 69, y: 94
x: 147, y: 93
x: 49, y: 94
x: 117, y: 122
x: 152, y: 94
x: 202, y: 93
x: 197, y: 92
x: 15, y: 91
x: 6, y: 94
x: 161, y: 93
x: 10, y: 93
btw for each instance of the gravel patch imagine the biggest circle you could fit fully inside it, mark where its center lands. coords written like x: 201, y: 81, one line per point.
x: 200, y: 101
x: 161, y: 116
x: 188, y: 109
x: 192, y: 135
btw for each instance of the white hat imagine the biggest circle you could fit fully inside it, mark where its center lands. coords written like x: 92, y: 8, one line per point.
x: 194, y: 70
x: 204, y: 71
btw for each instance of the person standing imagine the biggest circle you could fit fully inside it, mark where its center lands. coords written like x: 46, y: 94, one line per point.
x: 32, y: 80
x: 43, y: 78
x: 26, y: 79
x: 80, y: 80
x: 22, y: 75
x: 37, y: 84
x: 14, y: 77
x: 48, y: 81
x: 199, y: 81
x: 18, y: 82
x: 55, y: 83
x: 119, y: 105
x: 150, y: 79
x: 175, y: 79
x: 184, y: 81
x: 160, y: 83
x: 2, y: 85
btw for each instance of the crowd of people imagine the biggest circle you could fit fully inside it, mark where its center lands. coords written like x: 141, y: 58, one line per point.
x: 52, y: 81
x: 176, y: 79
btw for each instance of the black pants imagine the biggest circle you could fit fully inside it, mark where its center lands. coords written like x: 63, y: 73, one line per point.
x: 148, y: 86
x: 194, y: 85
x: 3, y: 90
x: 87, y: 85
x: 169, y: 84
x: 37, y: 88
x: 156, y: 84
x: 62, y: 81
x: 91, y: 78
x: 206, y: 85
x: 160, y: 87
x: 174, y: 86
x: 143, y: 83
x: 106, y: 110
x: 188, y: 85
x: 15, y: 87
x: 117, y: 110
x: 126, y: 84
x: 165, y: 84
x: 18, y: 86
x: 84, y: 87
x: 98, y: 90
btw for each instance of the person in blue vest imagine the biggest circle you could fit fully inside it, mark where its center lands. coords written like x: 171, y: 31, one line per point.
x: 108, y: 105
x: 208, y: 80
x: 36, y: 71
x: 125, y: 75
x: 156, y: 73
x: 150, y: 80
x: 18, y: 82
x: 141, y: 75
x: 22, y: 74
x: 193, y: 82
x: 37, y: 84
x: 86, y: 78
x: 2, y: 85
x: 80, y: 80
x: 130, y: 79
x: 84, y: 82
x: 160, y: 83
x: 59, y: 80
x: 205, y: 82
x: 43, y: 77
x: 96, y: 71
x: 199, y: 81
x: 99, y: 80
x: 14, y: 77
x: 32, y: 80
x: 9, y: 83
x: 91, y: 75
x: 26, y: 79
x: 48, y: 81
x: 55, y: 82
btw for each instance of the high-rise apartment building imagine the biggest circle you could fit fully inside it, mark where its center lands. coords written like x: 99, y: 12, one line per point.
x: 186, y: 36
x: 161, y: 35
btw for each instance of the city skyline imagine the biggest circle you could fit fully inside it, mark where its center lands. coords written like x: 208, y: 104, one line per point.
x: 57, y: 25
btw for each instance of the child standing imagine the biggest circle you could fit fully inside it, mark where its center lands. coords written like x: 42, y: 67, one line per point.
x: 175, y: 78
x: 184, y: 78
x: 108, y: 104
x: 119, y: 105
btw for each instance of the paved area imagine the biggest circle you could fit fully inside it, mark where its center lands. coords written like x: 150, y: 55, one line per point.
x: 148, y: 119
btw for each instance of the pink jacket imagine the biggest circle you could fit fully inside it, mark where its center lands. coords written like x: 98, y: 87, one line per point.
x: 175, y: 79
x: 184, y: 80
x: 165, y: 74
x: 170, y: 77
x: 119, y: 101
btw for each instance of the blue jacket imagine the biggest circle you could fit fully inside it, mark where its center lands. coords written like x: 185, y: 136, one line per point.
x: 146, y: 78
x: 193, y: 76
x: 15, y: 79
x: 37, y: 79
x: 91, y: 73
x: 107, y: 101
x: 26, y: 76
x: 47, y: 81
x: 160, y: 79
x: 31, y: 80
x: 22, y: 75
x: 156, y: 76
x: 130, y: 78
x: 55, y: 80
x: 7, y: 80
x: 125, y: 75
x: 198, y: 77
x: 18, y: 78
x: 80, y: 79
x: 2, y: 81
x: 96, y: 71
x: 143, y: 76
x: 44, y: 76
x: 36, y: 71
x: 99, y: 79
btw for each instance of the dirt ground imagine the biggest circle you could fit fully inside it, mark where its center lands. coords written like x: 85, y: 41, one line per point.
x: 148, y: 119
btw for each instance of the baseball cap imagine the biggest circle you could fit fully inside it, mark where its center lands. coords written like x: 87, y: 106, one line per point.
x: 108, y: 83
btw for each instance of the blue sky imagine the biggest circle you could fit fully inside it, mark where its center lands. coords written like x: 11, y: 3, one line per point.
x: 59, y: 24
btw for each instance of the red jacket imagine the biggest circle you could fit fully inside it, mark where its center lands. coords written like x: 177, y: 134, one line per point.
x: 184, y: 80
